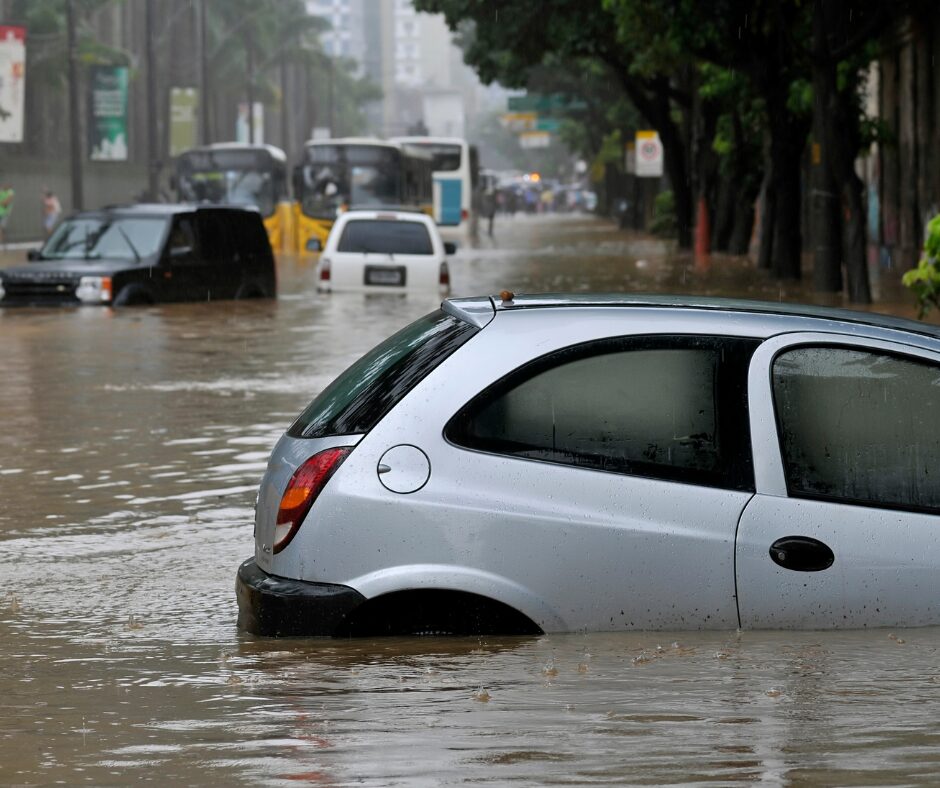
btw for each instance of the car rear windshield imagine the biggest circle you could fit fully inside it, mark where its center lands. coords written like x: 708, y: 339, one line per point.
x: 356, y: 401
x: 385, y: 236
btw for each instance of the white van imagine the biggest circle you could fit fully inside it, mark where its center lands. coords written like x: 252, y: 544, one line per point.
x: 384, y: 251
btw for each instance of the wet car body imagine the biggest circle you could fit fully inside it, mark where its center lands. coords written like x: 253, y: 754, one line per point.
x: 609, y: 463
x: 155, y: 254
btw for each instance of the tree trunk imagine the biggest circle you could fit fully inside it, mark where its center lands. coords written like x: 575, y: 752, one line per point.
x: 827, y: 219
x: 855, y: 241
x: 654, y: 104
x: 724, y: 216
x: 827, y: 230
x: 840, y: 138
x: 787, y: 140
x: 743, y: 227
x: 788, y: 238
x: 768, y: 218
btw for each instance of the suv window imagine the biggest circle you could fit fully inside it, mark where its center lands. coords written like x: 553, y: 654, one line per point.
x: 663, y: 407
x: 251, y: 239
x: 356, y: 401
x: 859, y: 426
x: 385, y: 236
x: 216, y: 234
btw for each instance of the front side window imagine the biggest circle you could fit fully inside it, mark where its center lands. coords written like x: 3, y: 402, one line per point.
x: 859, y: 426
x: 385, y: 236
x: 670, y: 408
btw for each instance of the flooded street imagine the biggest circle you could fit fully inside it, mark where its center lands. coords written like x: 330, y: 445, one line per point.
x: 132, y: 446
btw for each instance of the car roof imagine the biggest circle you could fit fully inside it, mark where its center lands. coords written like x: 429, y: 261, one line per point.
x: 275, y: 152
x: 480, y: 311
x: 384, y: 215
x: 159, y: 209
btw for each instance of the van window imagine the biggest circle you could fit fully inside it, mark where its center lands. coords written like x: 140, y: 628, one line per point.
x: 356, y: 401
x: 385, y: 236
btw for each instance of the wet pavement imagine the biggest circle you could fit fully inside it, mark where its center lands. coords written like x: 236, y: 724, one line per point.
x: 132, y: 444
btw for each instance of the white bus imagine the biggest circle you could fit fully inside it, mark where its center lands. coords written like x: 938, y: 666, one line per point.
x: 456, y: 171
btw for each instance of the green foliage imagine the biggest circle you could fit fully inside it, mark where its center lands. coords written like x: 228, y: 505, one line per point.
x: 924, y: 281
x: 664, y: 215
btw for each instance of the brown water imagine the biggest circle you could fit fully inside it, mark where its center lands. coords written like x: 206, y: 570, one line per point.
x: 131, y: 446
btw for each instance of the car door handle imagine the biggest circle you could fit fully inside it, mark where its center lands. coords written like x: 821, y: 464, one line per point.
x: 801, y: 554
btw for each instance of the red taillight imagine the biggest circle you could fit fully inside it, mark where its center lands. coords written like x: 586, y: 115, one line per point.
x: 464, y: 214
x: 325, y: 269
x: 302, y: 490
x: 444, y: 278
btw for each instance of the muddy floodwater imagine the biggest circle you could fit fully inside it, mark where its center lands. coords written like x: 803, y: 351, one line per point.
x: 131, y: 446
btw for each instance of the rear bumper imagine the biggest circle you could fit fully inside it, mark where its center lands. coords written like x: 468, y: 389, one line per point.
x: 278, y: 607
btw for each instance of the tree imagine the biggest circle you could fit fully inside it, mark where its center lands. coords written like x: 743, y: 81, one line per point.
x: 508, y: 42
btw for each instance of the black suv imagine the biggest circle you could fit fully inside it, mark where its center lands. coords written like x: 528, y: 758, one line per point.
x: 145, y: 254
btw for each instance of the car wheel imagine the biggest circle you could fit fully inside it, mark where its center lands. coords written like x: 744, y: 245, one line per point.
x: 133, y: 295
x: 435, y: 613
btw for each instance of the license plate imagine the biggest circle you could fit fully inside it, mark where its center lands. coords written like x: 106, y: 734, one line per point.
x: 391, y: 276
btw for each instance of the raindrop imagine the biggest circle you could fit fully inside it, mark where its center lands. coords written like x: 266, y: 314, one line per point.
x: 482, y: 695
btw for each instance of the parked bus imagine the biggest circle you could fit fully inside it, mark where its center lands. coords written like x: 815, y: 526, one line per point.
x: 352, y: 173
x: 239, y: 174
x: 456, y: 172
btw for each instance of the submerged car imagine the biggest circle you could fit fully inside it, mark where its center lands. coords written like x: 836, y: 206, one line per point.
x: 527, y: 464
x: 384, y: 251
x: 147, y: 254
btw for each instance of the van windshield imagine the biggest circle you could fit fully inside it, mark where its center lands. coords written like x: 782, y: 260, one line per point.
x: 355, y: 402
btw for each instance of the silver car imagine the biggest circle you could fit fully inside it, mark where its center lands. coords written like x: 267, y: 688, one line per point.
x: 527, y: 464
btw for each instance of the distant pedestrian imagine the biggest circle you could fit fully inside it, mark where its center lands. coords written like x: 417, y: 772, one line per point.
x: 6, y: 207
x: 51, y: 211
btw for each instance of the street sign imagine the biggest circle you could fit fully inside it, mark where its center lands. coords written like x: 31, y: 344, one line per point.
x: 535, y: 139
x: 649, y: 155
x: 519, y: 121
x: 552, y: 104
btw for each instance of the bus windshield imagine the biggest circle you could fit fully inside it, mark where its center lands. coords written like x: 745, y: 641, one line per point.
x: 446, y: 158
x: 228, y: 177
x: 354, y: 176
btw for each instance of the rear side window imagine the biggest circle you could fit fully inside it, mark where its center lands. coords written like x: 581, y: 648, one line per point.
x: 670, y: 408
x: 859, y: 427
x: 216, y: 235
x: 356, y: 401
x: 250, y: 235
x: 385, y: 236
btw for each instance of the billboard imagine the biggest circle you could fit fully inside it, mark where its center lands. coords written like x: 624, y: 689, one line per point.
x: 107, y: 126
x: 184, y: 117
x: 12, y: 82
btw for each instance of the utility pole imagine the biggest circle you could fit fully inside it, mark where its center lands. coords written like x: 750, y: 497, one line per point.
x: 285, y: 130
x: 75, y: 123
x: 153, y: 183
x: 250, y: 57
x: 202, y: 38
x: 329, y: 93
